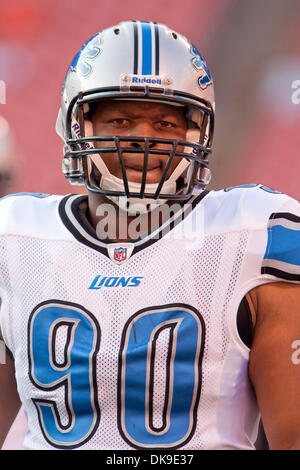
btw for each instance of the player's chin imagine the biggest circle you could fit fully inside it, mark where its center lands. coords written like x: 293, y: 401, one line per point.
x: 135, y: 176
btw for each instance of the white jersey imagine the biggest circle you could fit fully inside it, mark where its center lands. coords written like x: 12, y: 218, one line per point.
x: 136, y: 345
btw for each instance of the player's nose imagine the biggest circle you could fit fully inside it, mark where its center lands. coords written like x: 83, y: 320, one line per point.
x: 142, y: 128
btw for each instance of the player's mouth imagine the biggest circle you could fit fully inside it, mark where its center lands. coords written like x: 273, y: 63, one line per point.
x: 134, y: 173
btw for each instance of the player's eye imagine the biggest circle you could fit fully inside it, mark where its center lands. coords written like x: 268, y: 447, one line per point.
x: 120, y: 122
x: 166, y: 125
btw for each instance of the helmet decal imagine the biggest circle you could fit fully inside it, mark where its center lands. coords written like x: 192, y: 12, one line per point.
x: 198, y: 62
x: 88, y: 52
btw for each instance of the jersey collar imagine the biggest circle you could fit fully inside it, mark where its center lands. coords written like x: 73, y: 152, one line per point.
x: 73, y: 213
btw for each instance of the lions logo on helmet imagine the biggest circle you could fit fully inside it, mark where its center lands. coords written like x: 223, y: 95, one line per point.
x: 91, y: 49
x: 199, y: 63
x: 138, y: 60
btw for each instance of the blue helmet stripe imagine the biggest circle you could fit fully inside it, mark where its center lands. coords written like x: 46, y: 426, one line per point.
x: 146, y: 48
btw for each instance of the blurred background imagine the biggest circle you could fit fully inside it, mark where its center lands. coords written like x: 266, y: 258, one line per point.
x: 252, y: 49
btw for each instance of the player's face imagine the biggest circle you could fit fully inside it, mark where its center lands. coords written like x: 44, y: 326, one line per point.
x: 139, y: 119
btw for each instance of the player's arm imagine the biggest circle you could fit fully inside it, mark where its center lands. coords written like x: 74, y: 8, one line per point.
x: 273, y: 371
x: 9, y: 398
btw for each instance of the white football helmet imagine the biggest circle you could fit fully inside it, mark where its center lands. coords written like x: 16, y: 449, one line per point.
x: 137, y: 60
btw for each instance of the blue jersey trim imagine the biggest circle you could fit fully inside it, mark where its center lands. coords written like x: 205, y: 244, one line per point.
x: 283, y: 245
x: 39, y: 195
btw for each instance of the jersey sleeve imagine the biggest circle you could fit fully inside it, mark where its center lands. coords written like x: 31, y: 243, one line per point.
x: 282, y: 255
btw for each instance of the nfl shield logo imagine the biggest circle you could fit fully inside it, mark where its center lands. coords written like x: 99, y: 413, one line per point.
x: 120, y: 254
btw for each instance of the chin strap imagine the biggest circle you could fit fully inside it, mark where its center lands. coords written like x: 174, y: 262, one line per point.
x: 134, y: 204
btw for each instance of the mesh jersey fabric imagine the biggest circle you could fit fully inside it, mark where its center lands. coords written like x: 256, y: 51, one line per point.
x: 158, y: 361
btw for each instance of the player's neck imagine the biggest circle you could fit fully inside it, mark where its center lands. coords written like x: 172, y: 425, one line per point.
x: 112, y: 223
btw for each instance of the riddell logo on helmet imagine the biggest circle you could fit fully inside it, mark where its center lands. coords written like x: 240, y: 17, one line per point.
x: 150, y: 81
x: 127, y: 79
x: 76, y: 129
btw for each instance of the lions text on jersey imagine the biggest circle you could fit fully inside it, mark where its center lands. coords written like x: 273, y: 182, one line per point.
x: 141, y: 351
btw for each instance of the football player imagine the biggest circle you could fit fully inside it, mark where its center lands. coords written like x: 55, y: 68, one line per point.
x: 150, y: 313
